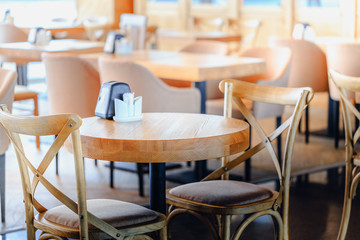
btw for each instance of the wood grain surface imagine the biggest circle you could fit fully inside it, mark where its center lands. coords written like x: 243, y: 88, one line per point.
x: 164, y: 137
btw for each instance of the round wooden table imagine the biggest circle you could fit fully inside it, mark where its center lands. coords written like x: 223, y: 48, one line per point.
x: 163, y: 137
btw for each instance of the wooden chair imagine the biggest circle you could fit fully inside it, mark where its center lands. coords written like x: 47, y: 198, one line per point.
x: 249, y: 30
x: 208, y: 23
x: 224, y: 198
x: 83, y: 219
x: 158, y: 97
x: 278, y: 65
x: 346, y: 84
x: 7, y: 85
x: 344, y: 58
x: 97, y: 28
x: 305, y: 71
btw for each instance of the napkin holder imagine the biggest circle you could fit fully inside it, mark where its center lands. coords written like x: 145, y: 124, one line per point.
x: 39, y: 36
x: 109, y: 91
x: 125, y: 112
x: 111, y: 39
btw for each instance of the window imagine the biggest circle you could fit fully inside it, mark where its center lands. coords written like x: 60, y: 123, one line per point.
x: 30, y: 13
x: 318, y: 3
x: 163, y: 0
x: 214, y: 2
x: 262, y: 2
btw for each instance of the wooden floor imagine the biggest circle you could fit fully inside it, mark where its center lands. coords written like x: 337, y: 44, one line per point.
x: 315, y: 208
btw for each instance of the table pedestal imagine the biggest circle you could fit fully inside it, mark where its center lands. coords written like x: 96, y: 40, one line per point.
x: 157, y: 187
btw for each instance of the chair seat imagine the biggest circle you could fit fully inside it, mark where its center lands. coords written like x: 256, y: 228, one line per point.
x: 22, y: 93
x: 119, y: 214
x: 216, y: 107
x: 222, y: 193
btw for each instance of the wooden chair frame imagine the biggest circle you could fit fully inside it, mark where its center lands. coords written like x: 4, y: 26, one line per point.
x: 352, y: 174
x: 235, y: 90
x: 64, y: 126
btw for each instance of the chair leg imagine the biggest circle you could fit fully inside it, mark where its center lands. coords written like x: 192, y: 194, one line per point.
x: 2, y: 186
x: 22, y: 74
x: 307, y: 133
x: 95, y: 162
x: 140, y: 172
x: 56, y: 162
x: 357, y: 105
x: 111, y: 174
x: 278, y: 140
x: 336, y: 112
x: 225, y: 227
x: 36, y: 113
x: 163, y: 233
x: 345, y: 219
x: 248, y: 161
x: 349, y: 183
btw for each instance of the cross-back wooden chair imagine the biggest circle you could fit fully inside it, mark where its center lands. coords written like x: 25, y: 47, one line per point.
x: 348, y: 85
x: 224, y: 198
x: 83, y: 219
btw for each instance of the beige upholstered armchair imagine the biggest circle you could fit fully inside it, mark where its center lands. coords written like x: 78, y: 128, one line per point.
x: 73, y: 85
x: 157, y: 96
x: 305, y: 71
x: 278, y: 65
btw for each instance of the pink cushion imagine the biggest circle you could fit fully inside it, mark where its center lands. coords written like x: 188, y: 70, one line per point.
x: 116, y: 213
x: 222, y: 193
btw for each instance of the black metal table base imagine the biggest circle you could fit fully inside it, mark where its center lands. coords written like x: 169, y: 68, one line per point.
x: 157, y: 187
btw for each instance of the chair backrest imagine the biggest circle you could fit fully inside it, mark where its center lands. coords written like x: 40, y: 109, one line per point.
x: 96, y: 28
x: 151, y: 39
x: 157, y: 96
x: 63, y: 126
x: 73, y: 84
x: 298, y: 98
x: 343, y: 58
x: 7, y: 86
x: 134, y: 27
x: 309, y: 66
x: 278, y: 66
x: 208, y: 23
x: 10, y: 33
x: 206, y: 47
x: 249, y: 30
x: 345, y: 84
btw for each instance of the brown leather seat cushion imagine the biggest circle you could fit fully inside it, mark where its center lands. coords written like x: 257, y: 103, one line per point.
x: 116, y: 213
x: 222, y: 193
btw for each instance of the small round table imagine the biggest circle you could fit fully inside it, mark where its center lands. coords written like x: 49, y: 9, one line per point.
x: 163, y: 137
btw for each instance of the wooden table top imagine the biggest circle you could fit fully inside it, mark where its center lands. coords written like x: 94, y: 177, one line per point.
x: 187, y: 66
x: 199, y: 35
x: 164, y: 137
x: 27, y: 50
